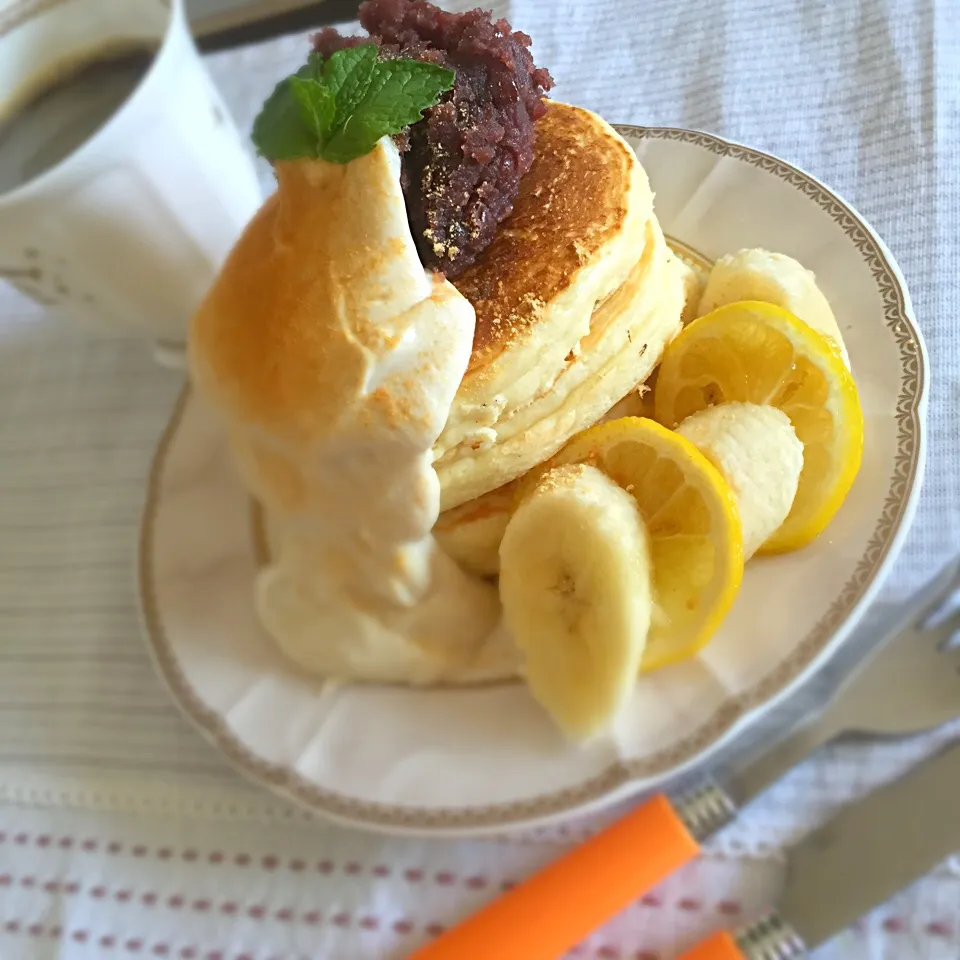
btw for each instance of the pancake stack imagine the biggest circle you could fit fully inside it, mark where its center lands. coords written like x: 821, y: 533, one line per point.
x: 575, y: 300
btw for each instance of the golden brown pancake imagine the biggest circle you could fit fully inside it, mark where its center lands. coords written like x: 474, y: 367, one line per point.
x: 575, y: 300
x: 471, y: 532
x: 572, y: 206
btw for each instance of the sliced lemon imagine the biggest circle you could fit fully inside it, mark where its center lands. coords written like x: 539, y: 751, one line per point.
x: 696, y: 546
x: 755, y: 352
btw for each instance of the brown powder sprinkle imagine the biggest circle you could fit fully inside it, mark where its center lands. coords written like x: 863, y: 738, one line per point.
x: 561, y: 476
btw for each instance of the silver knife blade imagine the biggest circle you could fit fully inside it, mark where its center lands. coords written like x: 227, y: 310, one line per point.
x: 904, y: 685
x: 872, y: 849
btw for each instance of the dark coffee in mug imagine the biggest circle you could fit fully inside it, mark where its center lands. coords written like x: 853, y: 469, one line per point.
x: 60, y: 115
x: 124, y: 182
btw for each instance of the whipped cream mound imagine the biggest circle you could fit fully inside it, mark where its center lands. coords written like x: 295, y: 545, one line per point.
x: 335, y: 358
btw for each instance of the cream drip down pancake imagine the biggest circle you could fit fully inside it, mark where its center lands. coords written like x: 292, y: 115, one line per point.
x: 334, y: 358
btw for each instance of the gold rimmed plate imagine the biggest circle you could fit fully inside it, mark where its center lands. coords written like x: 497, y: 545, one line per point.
x: 486, y: 759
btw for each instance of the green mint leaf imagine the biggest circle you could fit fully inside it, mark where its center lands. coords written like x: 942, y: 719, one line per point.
x: 339, y: 109
x: 396, y: 96
x: 402, y: 90
x: 348, y: 74
x: 318, y: 105
x: 282, y: 129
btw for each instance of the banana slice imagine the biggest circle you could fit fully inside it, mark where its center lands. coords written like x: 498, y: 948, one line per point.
x: 773, y: 278
x: 756, y: 449
x: 692, y: 278
x: 575, y: 583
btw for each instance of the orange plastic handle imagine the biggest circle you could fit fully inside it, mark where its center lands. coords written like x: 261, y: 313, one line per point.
x: 721, y: 946
x: 545, y: 916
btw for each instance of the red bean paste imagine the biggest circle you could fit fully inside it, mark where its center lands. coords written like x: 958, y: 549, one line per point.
x: 463, y: 162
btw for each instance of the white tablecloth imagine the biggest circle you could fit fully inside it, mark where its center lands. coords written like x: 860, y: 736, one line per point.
x: 122, y: 833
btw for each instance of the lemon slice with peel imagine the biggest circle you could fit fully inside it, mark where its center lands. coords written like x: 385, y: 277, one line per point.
x: 755, y: 352
x: 696, y: 546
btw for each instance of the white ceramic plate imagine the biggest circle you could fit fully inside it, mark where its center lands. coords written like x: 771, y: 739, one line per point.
x: 488, y: 759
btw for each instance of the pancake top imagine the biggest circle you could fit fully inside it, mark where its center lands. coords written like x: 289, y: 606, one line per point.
x: 571, y: 204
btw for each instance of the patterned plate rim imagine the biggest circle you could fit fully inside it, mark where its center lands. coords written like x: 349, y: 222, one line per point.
x: 890, y: 529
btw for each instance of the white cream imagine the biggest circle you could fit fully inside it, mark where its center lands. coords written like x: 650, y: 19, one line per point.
x: 357, y: 587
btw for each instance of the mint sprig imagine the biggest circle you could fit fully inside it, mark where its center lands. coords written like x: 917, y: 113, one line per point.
x: 337, y: 110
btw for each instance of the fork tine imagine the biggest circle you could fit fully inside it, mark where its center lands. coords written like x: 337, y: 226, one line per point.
x: 950, y: 624
x: 945, y: 631
x: 933, y: 596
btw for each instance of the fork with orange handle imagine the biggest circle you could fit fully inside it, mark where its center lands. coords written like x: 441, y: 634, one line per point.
x: 902, y: 688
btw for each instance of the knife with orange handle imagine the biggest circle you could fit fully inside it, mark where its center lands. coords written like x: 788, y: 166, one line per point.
x: 547, y: 915
x: 869, y: 851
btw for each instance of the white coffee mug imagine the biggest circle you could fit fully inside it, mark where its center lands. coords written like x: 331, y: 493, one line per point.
x: 127, y: 232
